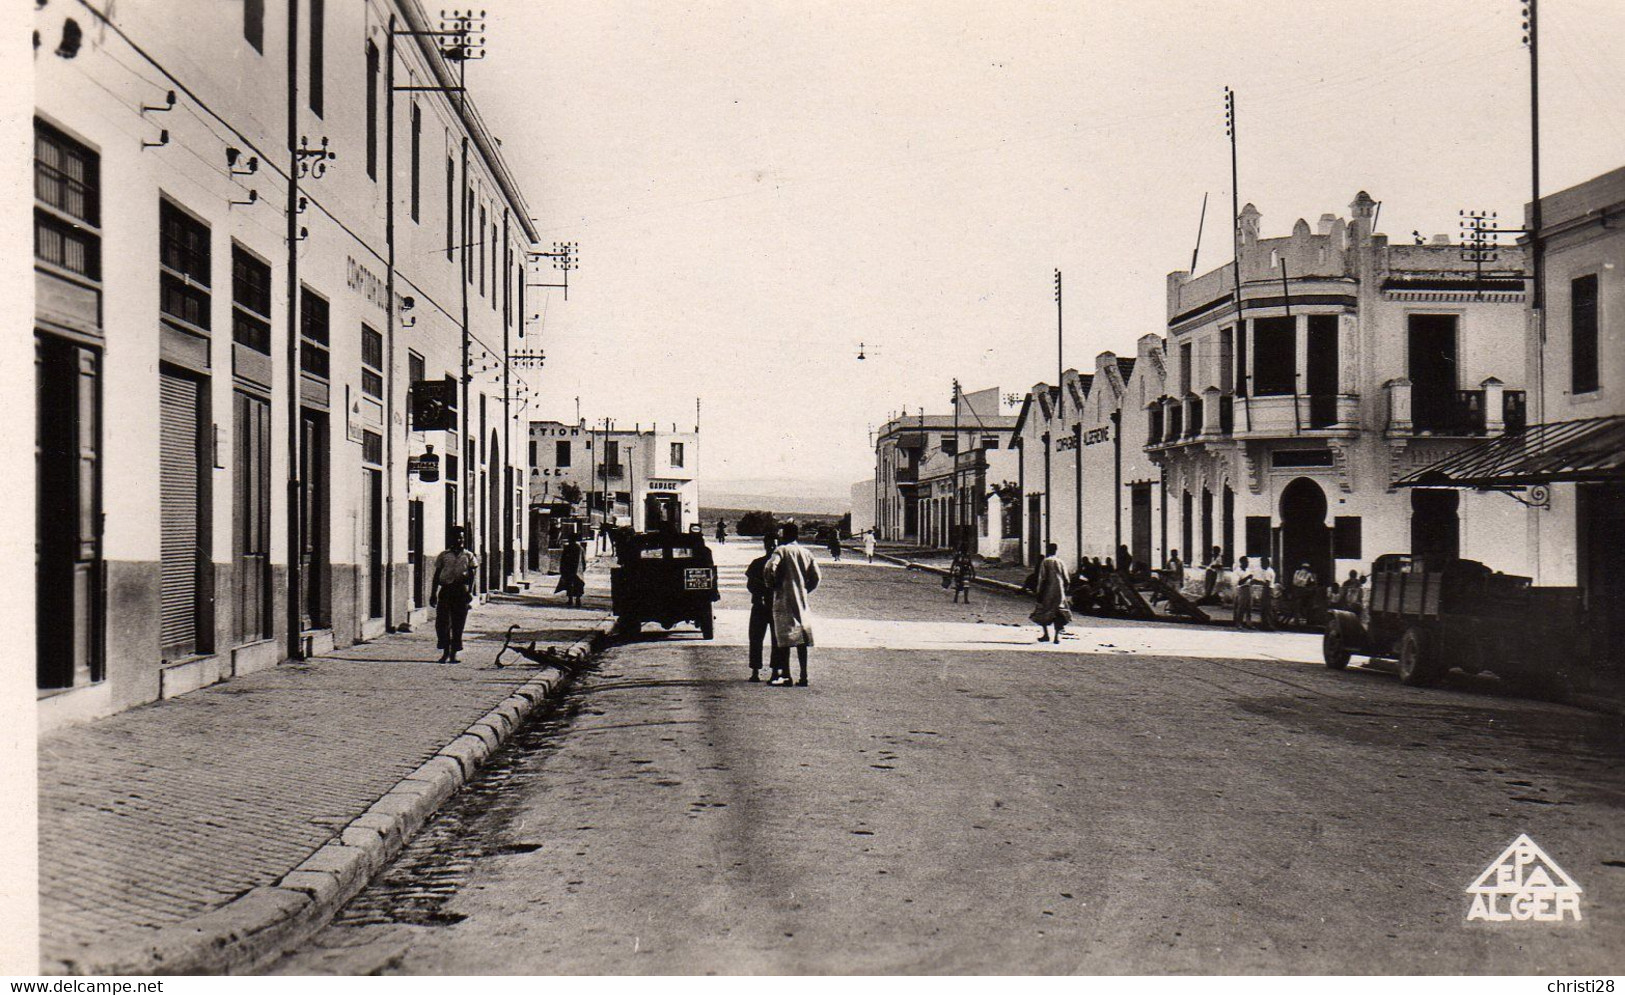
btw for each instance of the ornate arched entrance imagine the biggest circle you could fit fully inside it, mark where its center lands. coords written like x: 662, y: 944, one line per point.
x: 1304, y: 535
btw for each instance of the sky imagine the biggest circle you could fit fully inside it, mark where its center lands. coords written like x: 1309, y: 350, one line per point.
x: 759, y: 187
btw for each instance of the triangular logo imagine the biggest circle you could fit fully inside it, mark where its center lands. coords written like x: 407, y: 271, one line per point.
x: 1524, y: 883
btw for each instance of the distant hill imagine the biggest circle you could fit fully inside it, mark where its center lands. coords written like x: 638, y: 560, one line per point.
x: 709, y: 516
x: 776, y: 495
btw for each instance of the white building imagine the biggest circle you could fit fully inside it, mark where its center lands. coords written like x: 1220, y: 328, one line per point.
x: 644, y: 478
x: 1563, y: 480
x: 229, y: 337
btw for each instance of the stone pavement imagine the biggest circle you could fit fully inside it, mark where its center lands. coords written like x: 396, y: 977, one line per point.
x: 167, y: 812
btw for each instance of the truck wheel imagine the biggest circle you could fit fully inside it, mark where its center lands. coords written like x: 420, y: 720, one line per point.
x: 706, y: 625
x: 1417, y: 667
x: 1333, y: 648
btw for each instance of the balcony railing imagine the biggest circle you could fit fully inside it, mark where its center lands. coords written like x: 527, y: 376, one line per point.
x: 1490, y: 410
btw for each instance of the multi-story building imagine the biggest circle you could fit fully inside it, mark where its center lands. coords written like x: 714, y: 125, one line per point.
x: 935, y: 475
x: 1300, y: 393
x: 1563, y: 479
x: 646, y: 479
x: 278, y: 260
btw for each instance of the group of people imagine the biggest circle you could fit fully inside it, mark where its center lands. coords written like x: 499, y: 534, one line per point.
x: 778, y: 582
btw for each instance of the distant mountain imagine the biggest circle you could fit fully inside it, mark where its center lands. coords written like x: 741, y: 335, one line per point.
x: 777, y: 494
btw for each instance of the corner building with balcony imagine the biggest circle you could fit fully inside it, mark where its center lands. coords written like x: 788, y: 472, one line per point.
x: 255, y: 420
x: 1299, y: 395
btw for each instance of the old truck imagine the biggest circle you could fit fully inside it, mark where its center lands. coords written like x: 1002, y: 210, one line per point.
x: 663, y: 577
x: 1459, y: 613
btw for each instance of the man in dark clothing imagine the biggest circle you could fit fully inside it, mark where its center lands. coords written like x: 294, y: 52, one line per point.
x: 450, y: 595
x: 761, y: 605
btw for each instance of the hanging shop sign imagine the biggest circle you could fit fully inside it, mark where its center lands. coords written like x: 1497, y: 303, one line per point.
x: 425, y: 467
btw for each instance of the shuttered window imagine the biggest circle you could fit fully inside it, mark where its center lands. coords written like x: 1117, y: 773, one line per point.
x: 313, y: 334
x: 251, y: 301
x: 183, y: 245
x: 251, y: 515
x: 67, y: 196
x: 180, y: 539
x: 372, y: 363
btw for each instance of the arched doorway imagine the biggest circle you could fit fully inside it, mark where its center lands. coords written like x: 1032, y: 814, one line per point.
x: 1435, y: 526
x: 1304, y: 535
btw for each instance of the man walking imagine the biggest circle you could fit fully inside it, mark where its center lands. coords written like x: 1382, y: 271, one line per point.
x: 1051, y: 586
x: 450, y: 595
x: 869, y: 545
x: 722, y: 532
x: 793, y: 574
x: 761, y: 605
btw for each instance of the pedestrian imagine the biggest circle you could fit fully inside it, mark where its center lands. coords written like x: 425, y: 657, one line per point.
x: 963, y: 571
x: 869, y: 545
x: 1304, y: 583
x: 792, y: 573
x: 722, y: 532
x: 761, y: 604
x: 1210, y: 577
x: 1266, y: 594
x: 1173, y: 571
x: 833, y: 541
x: 572, y: 564
x: 1125, y: 562
x: 450, y: 594
x: 1051, y: 590
x: 1244, y: 594
x: 1352, y: 594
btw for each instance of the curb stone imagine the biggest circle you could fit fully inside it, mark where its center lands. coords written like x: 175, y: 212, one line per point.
x: 259, y: 925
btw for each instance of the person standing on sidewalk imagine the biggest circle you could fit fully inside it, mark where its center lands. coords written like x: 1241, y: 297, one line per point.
x: 1244, y: 594
x: 869, y: 545
x: 761, y: 607
x: 793, y: 574
x: 722, y: 532
x: 450, y: 595
x: 1266, y: 593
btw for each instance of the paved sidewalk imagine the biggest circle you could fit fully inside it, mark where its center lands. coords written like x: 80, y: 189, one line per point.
x: 170, y: 811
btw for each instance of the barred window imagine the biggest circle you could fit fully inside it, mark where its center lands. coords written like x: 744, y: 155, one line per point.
x: 313, y: 340
x: 251, y: 301
x: 67, y: 179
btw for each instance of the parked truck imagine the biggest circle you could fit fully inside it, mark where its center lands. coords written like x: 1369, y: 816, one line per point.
x: 1460, y: 613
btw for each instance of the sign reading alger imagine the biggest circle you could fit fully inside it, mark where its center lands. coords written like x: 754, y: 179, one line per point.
x: 1524, y: 884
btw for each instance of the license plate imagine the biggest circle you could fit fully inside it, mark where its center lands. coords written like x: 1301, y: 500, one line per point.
x: 697, y: 579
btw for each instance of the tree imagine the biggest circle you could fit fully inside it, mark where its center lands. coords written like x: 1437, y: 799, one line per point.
x: 570, y: 492
x: 757, y: 523
x: 844, y: 526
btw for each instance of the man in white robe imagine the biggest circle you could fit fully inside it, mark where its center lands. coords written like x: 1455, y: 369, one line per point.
x: 793, y: 574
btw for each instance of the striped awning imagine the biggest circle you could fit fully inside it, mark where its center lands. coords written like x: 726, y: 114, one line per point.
x: 1587, y: 450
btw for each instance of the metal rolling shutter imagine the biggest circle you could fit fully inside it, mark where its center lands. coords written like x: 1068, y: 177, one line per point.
x: 178, y: 492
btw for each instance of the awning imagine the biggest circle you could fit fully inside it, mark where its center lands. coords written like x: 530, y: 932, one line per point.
x: 1587, y: 450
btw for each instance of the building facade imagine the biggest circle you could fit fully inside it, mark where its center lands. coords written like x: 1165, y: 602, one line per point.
x: 645, y: 479
x: 937, y: 475
x: 271, y: 338
x: 1299, y: 395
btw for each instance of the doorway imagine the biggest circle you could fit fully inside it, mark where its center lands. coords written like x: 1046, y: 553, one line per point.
x: 68, y: 565
x: 372, y: 481
x: 1140, y: 522
x: 1304, y: 535
x: 1035, y: 537
x: 1601, y: 542
x: 496, y: 531
x: 313, y: 519
x: 1432, y: 370
x: 414, y: 552
x: 1435, y: 526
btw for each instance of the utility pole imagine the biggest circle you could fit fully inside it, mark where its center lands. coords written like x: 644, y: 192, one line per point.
x: 953, y: 511
x: 296, y: 490
x: 1235, y: 246
x: 1537, y: 296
